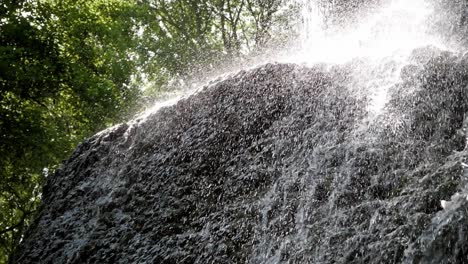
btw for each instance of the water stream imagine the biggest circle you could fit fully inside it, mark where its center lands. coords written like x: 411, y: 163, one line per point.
x: 351, y: 149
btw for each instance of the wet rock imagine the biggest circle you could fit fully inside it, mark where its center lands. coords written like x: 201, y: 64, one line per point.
x: 280, y: 164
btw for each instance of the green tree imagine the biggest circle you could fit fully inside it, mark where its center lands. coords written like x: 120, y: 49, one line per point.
x: 182, y: 39
x: 65, y: 73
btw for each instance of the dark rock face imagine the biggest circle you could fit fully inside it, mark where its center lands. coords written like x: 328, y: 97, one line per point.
x: 280, y: 164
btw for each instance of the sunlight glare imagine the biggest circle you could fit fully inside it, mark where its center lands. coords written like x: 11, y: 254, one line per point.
x: 395, y: 29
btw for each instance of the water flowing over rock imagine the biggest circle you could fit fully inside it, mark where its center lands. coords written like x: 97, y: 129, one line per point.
x: 279, y: 164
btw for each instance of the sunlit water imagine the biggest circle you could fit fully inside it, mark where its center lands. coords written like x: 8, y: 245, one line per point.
x: 387, y: 34
x: 375, y: 49
x: 394, y: 29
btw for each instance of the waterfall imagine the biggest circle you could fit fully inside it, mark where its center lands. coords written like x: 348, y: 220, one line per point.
x: 392, y: 29
x: 384, y: 34
x: 380, y: 49
x: 351, y: 148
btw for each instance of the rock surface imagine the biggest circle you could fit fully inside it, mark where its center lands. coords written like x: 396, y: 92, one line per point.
x: 279, y: 164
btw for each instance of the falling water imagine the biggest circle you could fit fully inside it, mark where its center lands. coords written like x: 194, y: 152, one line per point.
x: 384, y: 35
x: 393, y: 29
x: 377, y: 47
x: 354, y: 151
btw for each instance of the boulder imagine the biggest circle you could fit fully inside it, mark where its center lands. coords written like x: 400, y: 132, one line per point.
x: 278, y: 164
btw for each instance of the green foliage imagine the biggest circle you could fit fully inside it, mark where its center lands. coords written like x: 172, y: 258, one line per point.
x: 181, y: 39
x: 65, y: 73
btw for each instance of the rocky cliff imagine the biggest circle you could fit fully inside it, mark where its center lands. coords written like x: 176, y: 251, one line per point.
x: 279, y: 164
